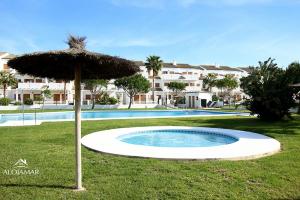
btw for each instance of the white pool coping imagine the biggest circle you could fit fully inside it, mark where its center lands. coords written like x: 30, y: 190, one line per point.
x: 249, y: 145
x: 38, y: 122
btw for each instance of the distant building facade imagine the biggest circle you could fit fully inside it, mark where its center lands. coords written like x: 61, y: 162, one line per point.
x: 196, y: 94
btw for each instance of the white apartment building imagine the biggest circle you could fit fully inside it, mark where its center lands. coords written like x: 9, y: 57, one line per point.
x: 195, y: 94
x: 221, y: 71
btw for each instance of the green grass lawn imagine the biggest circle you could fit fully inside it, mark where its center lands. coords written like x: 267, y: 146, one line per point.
x: 50, y: 148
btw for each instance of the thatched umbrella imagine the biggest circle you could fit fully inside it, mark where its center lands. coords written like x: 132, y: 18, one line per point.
x: 74, y: 63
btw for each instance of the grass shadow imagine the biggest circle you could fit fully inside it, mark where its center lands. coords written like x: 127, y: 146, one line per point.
x: 37, y: 186
x: 250, y: 124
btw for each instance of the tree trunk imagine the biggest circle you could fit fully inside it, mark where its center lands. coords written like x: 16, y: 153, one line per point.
x: 43, y: 102
x: 130, y: 102
x: 4, y: 90
x: 78, y: 175
x: 65, y: 86
x: 93, y: 101
x: 153, y: 87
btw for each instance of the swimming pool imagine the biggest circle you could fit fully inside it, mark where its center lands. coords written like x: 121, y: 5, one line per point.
x: 181, y: 142
x: 176, y: 138
x: 102, y: 115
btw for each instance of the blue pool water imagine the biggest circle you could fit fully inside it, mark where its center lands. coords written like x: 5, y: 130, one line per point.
x: 176, y: 138
x: 51, y: 116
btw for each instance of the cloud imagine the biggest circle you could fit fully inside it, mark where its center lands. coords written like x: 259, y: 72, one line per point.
x: 161, y: 40
x: 140, y: 3
x: 109, y: 42
x: 187, y: 3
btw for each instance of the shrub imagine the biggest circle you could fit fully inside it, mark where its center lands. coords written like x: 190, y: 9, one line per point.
x: 28, y: 102
x: 4, y: 101
x: 268, y: 87
x: 112, y: 101
x: 215, y: 98
x: 17, y: 103
x: 181, y: 100
x: 107, y: 100
x: 103, y: 100
x: 39, y: 99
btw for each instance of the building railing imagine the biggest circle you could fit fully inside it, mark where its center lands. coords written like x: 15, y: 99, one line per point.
x: 179, y: 76
x: 39, y: 86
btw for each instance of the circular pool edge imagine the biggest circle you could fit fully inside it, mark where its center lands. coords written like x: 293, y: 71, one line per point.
x: 249, y: 145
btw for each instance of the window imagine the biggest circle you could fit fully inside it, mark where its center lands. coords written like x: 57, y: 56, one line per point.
x: 157, y: 85
x: 5, y: 67
x: 136, y: 97
x: 143, y: 98
x: 56, y: 97
x: 28, y: 80
x: 184, y: 73
x: 88, y: 97
x: 198, y: 84
x: 38, y: 80
x: 190, y: 73
x: 165, y: 72
x: 171, y: 72
x: 26, y: 96
x: 192, y: 84
x: 37, y: 97
x: 19, y: 97
x: 64, y: 97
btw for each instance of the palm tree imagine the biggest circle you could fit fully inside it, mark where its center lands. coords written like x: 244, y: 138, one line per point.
x: 154, y: 64
x: 7, y: 79
x: 210, y: 80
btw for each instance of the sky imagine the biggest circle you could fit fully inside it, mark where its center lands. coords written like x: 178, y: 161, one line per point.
x: 224, y: 32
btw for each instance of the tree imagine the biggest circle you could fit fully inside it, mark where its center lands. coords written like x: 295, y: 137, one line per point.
x: 176, y: 87
x: 96, y: 87
x: 268, y: 87
x: 210, y: 81
x: 229, y: 83
x: 220, y: 84
x: 154, y: 64
x: 7, y: 79
x: 133, y: 85
x: 293, y: 72
x: 46, y: 93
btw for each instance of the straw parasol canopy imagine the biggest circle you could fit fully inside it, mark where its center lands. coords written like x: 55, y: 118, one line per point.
x: 61, y: 64
x: 74, y: 63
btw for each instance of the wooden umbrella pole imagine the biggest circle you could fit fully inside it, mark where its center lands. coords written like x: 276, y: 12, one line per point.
x: 78, y: 127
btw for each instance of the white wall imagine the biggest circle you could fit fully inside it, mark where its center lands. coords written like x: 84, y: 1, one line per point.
x: 70, y: 107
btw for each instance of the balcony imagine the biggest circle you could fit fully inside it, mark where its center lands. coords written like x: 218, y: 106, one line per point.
x: 179, y: 76
x: 38, y: 86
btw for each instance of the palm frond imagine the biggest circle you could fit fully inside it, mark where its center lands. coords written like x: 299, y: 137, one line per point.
x: 76, y: 42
